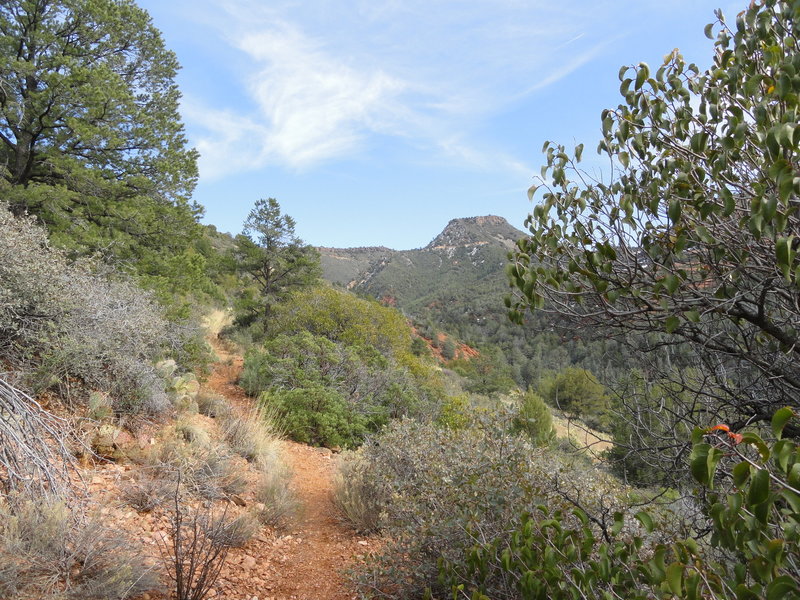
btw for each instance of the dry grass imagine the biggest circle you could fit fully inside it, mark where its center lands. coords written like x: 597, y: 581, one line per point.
x: 277, y: 503
x: 48, y: 553
x: 147, y: 494
x: 356, y: 494
x: 253, y: 435
x: 235, y: 532
x: 213, y: 406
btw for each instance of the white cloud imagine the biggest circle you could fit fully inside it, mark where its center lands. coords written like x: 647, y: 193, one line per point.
x: 325, y: 77
x: 316, y: 107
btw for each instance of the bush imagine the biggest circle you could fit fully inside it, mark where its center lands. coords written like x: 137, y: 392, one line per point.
x: 752, y: 551
x: 361, y: 388
x: 48, y: 553
x: 534, y: 420
x: 316, y: 415
x: 577, y: 392
x: 440, y: 491
x: 60, y: 319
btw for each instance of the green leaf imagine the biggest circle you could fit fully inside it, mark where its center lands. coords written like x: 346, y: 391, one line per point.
x: 619, y: 521
x: 675, y: 578
x: 759, y: 487
x: 785, y: 135
x: 779, y: 420
x: 708, y: 31
x: 646, y: 520
x: 674, y: 212
x: 692, y: 315
x: 714, y: 456
x: 782, y: 250
x: 641, y: 77
x: 699, y: 462
x: 782, y: 587
x: 671, y: 283
x: 752, y: 438
x: 782, y: 453
x: 671, y: 324
x: 741, y: 473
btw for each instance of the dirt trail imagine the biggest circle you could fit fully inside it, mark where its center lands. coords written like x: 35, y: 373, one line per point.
x: 306, y: 562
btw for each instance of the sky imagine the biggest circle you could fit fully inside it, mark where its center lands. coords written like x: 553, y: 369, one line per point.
x: 374, y: 123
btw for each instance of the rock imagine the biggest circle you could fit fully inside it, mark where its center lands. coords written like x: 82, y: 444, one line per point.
x: 248, y: 562
x: 363, y: 543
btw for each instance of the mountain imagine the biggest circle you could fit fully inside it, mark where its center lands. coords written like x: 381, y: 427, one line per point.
x: 481, y: 237
x: 468, y: 255
x: 456, y: 284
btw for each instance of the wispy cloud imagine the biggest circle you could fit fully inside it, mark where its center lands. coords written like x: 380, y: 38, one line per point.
x: 326, y: 78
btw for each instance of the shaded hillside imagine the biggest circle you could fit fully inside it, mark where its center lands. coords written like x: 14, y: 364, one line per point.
x: 466, y: 260
x: 456, y: 283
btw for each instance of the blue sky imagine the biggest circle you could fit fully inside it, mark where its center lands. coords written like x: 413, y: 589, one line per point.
x: 375, y: 123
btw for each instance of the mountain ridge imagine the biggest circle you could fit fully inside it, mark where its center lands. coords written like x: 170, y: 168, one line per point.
x: 356, y: 267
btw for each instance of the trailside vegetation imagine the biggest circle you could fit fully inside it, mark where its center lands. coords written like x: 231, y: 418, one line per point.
x: 688, y: 251
x: 336, y: 367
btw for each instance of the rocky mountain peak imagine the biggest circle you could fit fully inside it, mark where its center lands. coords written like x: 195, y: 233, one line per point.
x: 474, y: 231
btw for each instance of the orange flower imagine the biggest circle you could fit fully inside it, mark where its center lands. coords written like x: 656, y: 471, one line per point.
x: 724, y: 428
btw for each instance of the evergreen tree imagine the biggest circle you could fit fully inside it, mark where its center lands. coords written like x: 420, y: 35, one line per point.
x: 91, y: 141
x: 277, y: 260
x: 535, y: 420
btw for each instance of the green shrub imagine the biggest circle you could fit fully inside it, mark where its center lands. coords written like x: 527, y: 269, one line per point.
x: 364, y: 391
x: 753, y: 551
x: 534, y: 419
x: 577, y: 392
x: 61, y: 319
x: 316, y: 415
x: 439, y: 490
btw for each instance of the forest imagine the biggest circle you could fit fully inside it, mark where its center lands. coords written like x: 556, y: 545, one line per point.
x: 617, y: 419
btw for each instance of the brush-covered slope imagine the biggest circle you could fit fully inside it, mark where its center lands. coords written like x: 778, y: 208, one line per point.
x: 462, y: 265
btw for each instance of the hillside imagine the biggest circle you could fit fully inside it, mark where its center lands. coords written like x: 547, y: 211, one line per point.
x: 456, y: 283
x: 465, y: 260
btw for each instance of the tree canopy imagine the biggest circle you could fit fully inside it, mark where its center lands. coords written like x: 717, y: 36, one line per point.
x: 274, y: 257
x: 687, y: 245
x: 91, y: 141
